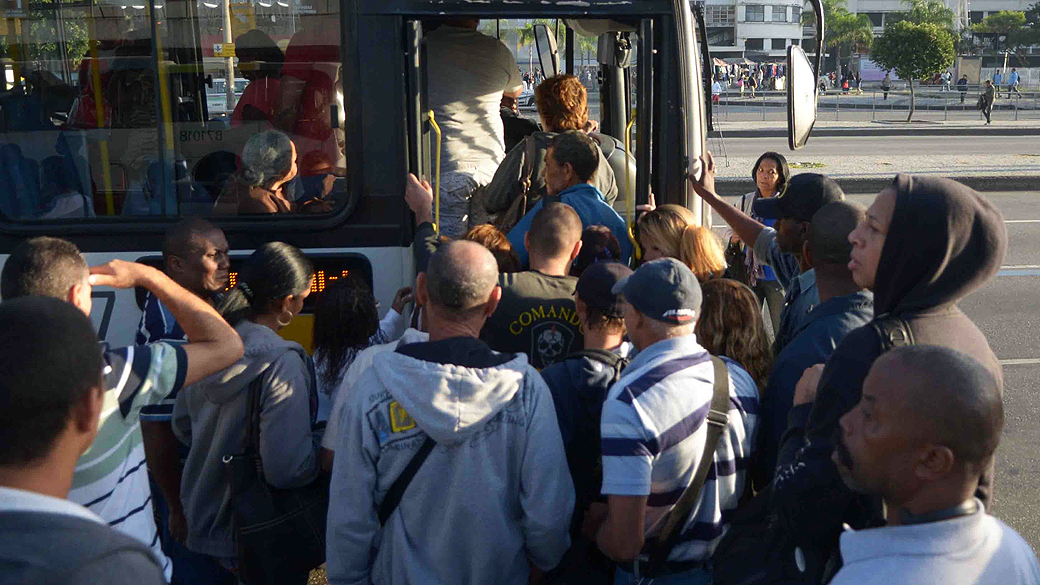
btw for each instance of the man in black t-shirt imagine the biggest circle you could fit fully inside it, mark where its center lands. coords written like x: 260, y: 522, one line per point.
x: 537, y: 314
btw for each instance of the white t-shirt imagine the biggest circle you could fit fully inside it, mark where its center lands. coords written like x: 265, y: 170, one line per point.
x: 969, y: 550
x: 467, y: 73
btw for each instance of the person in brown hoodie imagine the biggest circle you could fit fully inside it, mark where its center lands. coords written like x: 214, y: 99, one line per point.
x: 925, y: 244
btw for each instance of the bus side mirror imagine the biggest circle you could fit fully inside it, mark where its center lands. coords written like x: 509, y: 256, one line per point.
x: 801, y: 97
x: 548, y: 56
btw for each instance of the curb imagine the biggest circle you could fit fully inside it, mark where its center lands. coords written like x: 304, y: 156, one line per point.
x: 863, y: 185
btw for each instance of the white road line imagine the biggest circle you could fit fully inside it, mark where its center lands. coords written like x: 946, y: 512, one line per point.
x: 1022, y: 221
x: 1020, y: 362
x: 1020, y: 267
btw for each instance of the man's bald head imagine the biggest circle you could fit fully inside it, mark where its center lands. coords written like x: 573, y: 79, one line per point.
x: 950, y: 399
x: 828, y: 241
x: 460, y: 277
x: 555, y: 229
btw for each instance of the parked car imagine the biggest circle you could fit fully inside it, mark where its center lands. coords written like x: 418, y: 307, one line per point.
x: 217, y: 98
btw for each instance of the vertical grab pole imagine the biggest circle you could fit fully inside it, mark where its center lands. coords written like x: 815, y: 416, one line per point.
x: 436, y: 174
x: 99, y: 113
x: 631, y: 203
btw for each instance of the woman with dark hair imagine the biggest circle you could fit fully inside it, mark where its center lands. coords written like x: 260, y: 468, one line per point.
x: 598, y: 244
x: 731, y: 325
x: 268, y: 165
x: 771, y: 174
x: 212, y: 416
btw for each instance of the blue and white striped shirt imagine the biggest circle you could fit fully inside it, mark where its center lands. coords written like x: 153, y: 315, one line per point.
x: 653, y: 434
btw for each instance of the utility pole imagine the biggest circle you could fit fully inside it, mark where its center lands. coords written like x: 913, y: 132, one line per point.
x: 229, y: 62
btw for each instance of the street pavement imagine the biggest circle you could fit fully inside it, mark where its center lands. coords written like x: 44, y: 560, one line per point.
x: 1006, y: 312
x: 863, y: 162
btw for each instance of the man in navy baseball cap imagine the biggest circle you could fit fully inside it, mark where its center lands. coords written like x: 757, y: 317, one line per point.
x: 781, y: 248
x: 653, y: 430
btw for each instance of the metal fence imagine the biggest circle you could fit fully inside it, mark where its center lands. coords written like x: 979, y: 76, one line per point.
x: 932, y: 104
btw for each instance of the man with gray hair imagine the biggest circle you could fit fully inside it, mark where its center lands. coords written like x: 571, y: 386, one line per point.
x: 474, y: 430
x: 925, y: 429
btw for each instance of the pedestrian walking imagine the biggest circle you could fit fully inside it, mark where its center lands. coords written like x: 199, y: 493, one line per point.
x: 986, y: 100
x: 752, y: 84
x: 962, y: 86
x: 886, y: 85
x: 1013, y: 80
x: 946, y: 77
x: 998, y: 78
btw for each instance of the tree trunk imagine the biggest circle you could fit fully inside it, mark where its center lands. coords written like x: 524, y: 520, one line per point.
x: 913, y: 103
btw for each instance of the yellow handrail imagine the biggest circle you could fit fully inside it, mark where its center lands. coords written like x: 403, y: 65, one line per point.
x: 637, y: 252
x: 99, y: 112
x: 436, y: 175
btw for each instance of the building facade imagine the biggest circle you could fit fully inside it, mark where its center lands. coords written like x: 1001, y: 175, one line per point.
x: 760, y: 31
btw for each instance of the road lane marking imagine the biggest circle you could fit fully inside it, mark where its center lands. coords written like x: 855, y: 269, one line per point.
x: 1019, y: 272
x: 1022, y: 221
x: 1020, y: 362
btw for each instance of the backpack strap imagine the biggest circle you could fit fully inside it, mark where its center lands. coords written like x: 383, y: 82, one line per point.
x: 893, y: 332
x: 396, y: 491
x: 717, y: 419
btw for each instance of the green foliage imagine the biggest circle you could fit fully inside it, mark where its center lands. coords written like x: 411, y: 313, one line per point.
x: 914, y: 51
x: 842, y: 29
x: 925, y: 12
x: 1012, y: 25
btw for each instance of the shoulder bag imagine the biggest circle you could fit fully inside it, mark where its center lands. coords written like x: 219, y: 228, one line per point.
x: 736, y: 265
x: 518, y: 208
x: 279, y: 533
x: 661, y: 545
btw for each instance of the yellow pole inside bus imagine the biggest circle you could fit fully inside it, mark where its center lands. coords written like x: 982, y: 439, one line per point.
x: 164, y: 85
x: 99, y: 113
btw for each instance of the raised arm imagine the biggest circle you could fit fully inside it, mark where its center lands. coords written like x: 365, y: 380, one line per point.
x: 213, y: 344
x: 744, y: 226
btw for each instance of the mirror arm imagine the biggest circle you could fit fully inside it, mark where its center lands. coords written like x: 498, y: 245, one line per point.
x: 818, y: 11
x: 708, y: 65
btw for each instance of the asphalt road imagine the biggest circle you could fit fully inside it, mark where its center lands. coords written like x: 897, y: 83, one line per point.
x: 885, y: 145
x: 1006, y: 311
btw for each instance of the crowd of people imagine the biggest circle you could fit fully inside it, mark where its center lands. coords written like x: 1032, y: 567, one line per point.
x: 801, y: 401
x: 563, y: 417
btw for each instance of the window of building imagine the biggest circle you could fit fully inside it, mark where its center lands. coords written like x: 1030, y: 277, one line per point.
x: 779, y: 44
x: 976, y: 16
x: 753, y: 44
x: 755, y: 13
x: 720, y: 15
x: 796, y: 14
x: 796, y: 42
x: 779, y: 13
x: 876, y: 18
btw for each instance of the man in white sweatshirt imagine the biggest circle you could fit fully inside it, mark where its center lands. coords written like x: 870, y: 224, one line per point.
x: 928, y: 422
x: 492, y: 496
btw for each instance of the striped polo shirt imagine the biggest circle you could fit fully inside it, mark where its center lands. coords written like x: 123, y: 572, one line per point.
x: 111, y: 478
x: 654, y: 427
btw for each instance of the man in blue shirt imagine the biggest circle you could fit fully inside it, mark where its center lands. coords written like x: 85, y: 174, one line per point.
x: 843, y: 306
x: 806, y: 193
x: 570, y: 163
x: 1013, y: 80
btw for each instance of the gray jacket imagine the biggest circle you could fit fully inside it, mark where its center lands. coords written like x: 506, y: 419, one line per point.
x: 493, y: 493
x: 210, y: 416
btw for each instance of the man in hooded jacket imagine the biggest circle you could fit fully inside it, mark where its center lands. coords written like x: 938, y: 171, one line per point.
x: 493, y: 497
x: 925, y: 244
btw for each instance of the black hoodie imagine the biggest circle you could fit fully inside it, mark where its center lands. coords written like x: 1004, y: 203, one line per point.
x: 944, y: 241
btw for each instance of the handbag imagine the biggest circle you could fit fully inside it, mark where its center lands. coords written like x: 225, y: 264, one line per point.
x: 981, y: 105
x: 279, y: 533
x: 736, y: 267
x: 518, y: 208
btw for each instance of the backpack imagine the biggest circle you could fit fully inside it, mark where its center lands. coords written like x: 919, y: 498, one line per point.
x: 756, y: 550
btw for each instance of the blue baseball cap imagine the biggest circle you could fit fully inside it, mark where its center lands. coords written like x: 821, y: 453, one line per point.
x: 665, y: 290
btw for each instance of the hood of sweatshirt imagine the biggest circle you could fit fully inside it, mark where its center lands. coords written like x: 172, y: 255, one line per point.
x: 944, y: 241
x: 262, y: 347
x: 450, y: 403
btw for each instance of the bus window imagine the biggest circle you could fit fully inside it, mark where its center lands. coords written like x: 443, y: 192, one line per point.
x: 115, y: 121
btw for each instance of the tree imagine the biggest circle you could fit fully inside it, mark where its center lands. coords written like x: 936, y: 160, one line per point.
x: 914, y: 51
x: 926, y: 12
x: 844, y: 31
x: 1009, y: 29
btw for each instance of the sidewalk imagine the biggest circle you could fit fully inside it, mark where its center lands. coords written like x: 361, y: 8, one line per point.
x: 887, y: 124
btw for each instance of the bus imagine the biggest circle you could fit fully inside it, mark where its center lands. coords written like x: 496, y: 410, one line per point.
x: 113, y: 125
